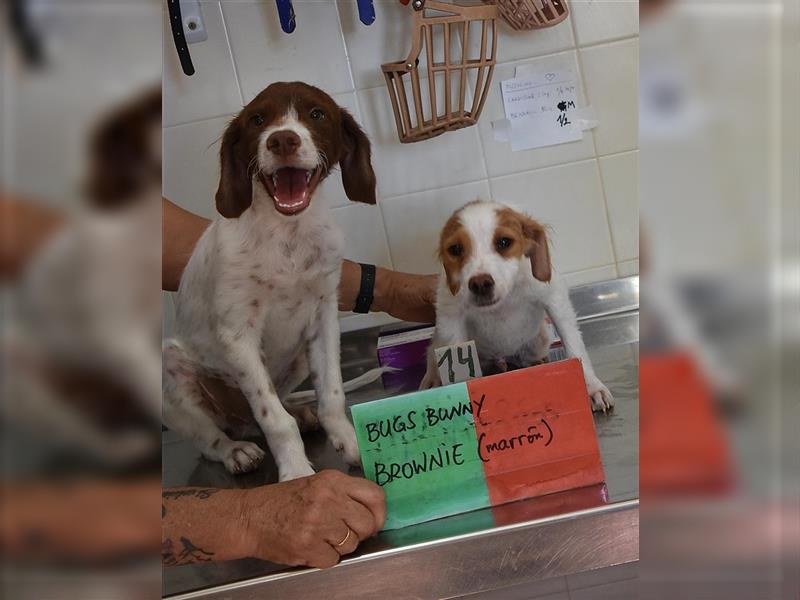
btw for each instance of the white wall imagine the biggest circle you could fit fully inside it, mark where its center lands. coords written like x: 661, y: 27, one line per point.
x: 587, y: 190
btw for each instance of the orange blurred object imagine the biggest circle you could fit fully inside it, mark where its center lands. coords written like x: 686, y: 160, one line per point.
x: 683, y: 448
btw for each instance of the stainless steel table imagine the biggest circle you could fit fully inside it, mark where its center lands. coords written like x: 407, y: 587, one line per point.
x: 464, y: 553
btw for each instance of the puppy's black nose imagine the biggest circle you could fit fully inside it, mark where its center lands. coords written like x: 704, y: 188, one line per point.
x: 481, y: 285
x: 283, y: 142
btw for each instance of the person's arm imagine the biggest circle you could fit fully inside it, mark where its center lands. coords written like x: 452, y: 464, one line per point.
x: 24, y: 227
x: 180, y: 232
x: 81, y: 520
x: 403, y: 295
x: 309, y: 521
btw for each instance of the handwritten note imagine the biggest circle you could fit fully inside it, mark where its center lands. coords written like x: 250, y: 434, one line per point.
x: 541, y: 107
x: 481, y: 443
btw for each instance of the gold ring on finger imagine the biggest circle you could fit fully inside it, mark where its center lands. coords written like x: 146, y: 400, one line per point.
x: 344, y: 541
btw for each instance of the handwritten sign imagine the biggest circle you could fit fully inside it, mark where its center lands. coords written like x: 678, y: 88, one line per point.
x: 458, y: 362
x: 481, y: 443
x: 540, y: 107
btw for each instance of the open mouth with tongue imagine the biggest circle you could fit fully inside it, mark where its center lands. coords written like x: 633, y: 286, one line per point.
x: 291, y: 189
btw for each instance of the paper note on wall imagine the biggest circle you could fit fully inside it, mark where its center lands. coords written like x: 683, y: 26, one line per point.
x: 481, y: 443
x: 541, y: 108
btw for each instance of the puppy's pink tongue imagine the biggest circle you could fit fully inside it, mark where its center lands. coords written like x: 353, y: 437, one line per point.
x: 291, y: 190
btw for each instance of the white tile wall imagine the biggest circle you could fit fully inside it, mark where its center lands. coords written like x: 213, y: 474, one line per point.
x: 621, y: 183
x: 191, y: 164
x: 443, y: 161
x: 568, y: 199
x: 611, y: 74
x: 603, y: 20
x: 628, y: 268
x: 585, y: 191
x: 314, y: 53
x: 388, y: 39
x: 413, y: 241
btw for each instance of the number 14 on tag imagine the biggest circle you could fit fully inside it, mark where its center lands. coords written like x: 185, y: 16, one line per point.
x: 458, y: 362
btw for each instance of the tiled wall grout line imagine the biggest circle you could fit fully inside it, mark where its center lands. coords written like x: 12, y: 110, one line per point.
x: 230, y: 52
x: 539, y: 169
x: 608, y: 42
x: 442, y: 188
x: 607, y: 213
x: 617, y: 153
x: 346, y: 50
x: 197, y: 121
x: 385, y: 234
x: 582, y: 75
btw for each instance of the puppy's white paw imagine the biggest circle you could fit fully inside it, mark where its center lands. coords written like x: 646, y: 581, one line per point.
x: 431, y: 380
x: 343, y: 438
x: 600, y: 396
x: 297, y: 468
x: 242, y: 457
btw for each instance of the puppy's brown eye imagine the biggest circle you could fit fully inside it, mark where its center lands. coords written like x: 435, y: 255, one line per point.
x: 455, y: 250
x: 257, y: 119
x: 504, y: 243
x: 317, y: 114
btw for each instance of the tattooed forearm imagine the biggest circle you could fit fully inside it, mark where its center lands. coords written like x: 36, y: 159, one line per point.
x: 182, y: 553
x: 199, y: 493
x: 192, y: 530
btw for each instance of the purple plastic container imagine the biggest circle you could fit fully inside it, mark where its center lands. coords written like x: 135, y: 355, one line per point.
x: 404, y: 346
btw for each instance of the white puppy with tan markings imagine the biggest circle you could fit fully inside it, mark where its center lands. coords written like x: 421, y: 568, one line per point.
x: 496, y: 288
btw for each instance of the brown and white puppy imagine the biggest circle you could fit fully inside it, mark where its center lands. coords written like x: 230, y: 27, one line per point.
x: 257, y: 303
x: 496, y: 287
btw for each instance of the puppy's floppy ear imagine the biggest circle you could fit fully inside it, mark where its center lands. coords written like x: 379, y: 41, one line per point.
x: 538, y: 250
x: 357, y: 174
x: 235, y: 191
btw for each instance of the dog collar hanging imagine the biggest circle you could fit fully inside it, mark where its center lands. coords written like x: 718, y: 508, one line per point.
x: 367, y: 289
x: 176, y: 23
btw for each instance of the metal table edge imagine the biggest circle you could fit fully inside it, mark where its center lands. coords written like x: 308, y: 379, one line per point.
x: 623, y: 506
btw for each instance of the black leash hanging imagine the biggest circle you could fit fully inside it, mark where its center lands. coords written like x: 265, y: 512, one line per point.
x: 176, y: 24
x: 28, y: 39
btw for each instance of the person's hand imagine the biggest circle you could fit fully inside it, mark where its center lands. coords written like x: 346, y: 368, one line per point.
x: 409, y: 297
x: 311, y: 521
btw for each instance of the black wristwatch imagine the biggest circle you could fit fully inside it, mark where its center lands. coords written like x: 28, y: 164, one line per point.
x: 367, y: 289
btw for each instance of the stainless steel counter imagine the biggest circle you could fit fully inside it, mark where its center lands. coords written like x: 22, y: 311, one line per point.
x: 538, y: 539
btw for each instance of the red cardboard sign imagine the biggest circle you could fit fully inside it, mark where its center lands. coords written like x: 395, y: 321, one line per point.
x: 535, y: 431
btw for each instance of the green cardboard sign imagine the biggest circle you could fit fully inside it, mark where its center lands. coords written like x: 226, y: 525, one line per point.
x: 422, y: 449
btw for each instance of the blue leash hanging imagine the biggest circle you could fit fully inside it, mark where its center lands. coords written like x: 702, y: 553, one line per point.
x: 366, y: 11
x: 286, y: 15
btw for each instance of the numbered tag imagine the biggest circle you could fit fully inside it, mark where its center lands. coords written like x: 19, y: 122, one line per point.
x: 458, y: 362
